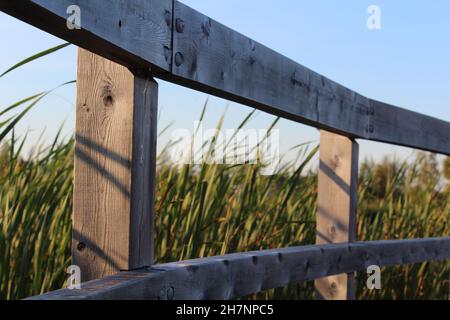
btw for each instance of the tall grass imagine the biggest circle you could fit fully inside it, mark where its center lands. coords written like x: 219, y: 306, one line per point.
x: 401, y: 201
x: 213, y: 209
x: 35, y: 218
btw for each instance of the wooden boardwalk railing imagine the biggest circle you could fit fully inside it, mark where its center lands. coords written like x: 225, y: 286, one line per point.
x: 126, y: 43
x: 242, y: 274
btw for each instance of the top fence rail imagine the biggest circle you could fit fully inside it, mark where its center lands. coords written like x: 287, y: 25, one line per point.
x: 171, y: 41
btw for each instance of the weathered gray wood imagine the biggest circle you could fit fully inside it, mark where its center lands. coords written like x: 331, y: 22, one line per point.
x: 239, y: 275
x: 336, y: 207
x: 115, y: 165
x: 404, y: 127
x: 212, y: 58
x: 135, y: 33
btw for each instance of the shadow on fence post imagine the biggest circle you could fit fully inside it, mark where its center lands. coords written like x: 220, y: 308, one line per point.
x: 336, y: 207
x: 115, y: 167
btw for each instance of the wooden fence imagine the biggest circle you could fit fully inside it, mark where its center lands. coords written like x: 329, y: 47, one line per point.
x: 127, y: 43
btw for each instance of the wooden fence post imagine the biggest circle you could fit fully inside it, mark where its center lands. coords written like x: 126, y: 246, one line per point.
x: 336, y: 208
x: 115, y: 163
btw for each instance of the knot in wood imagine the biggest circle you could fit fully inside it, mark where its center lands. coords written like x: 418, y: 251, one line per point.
x: 206, y: 28
x: 108, y: 99
x: 336, y: 162
x: 179, y: 59
x: 168, y: 17
x: 179, y: 25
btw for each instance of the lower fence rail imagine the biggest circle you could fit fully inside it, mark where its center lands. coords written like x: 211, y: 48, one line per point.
x: 242, y: 274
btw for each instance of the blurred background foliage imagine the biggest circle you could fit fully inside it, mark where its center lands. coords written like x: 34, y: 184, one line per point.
x: 213, y: 209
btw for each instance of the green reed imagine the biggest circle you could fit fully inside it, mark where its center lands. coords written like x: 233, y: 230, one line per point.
x: 213, y: 209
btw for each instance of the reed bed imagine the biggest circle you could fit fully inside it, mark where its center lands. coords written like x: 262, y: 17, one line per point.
x: 211, y: 209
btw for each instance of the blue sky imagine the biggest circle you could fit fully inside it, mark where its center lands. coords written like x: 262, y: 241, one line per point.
x: 406, y: 63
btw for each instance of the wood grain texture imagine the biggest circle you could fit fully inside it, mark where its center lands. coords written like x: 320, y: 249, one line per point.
x: 242, y: 274
x: 336, y: 207
x: 114, y: 168
x: 210, y: 57
x: 136, y: 33
x: 407, y: 128
x: 214, y: 57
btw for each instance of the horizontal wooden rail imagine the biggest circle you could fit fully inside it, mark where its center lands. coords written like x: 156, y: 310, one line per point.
x: 176, y: 43
x: 171, y: 41
x: 213, y: 58
x: 136, y: 33
x: 239, y: 275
